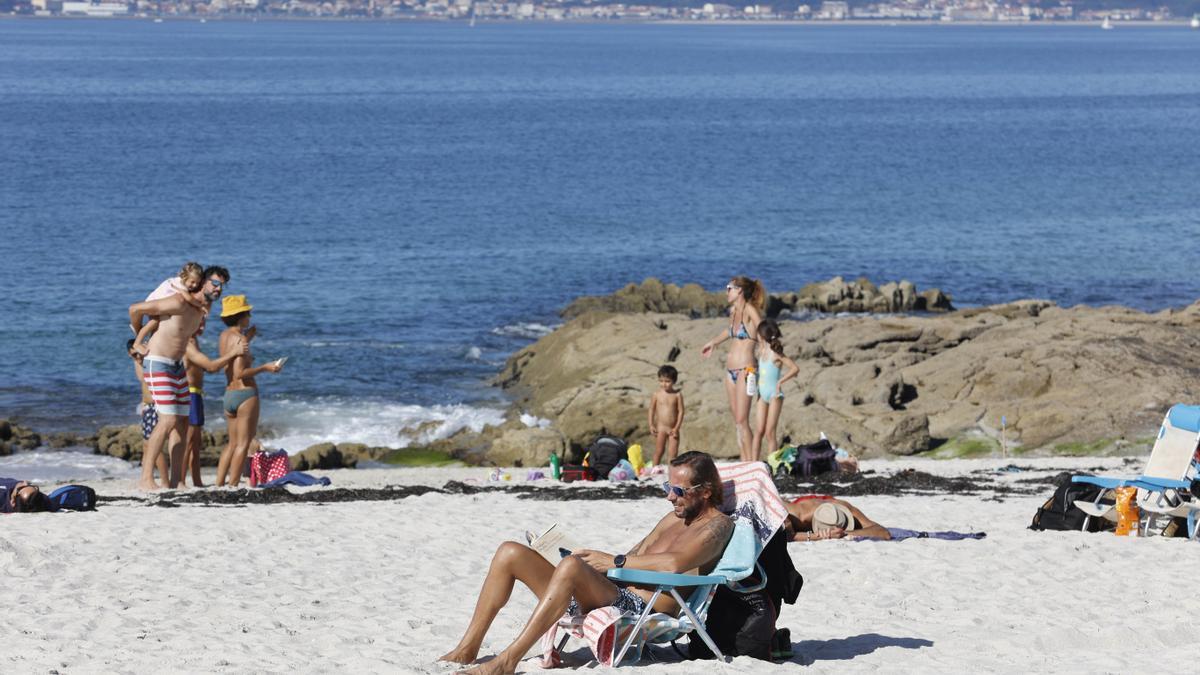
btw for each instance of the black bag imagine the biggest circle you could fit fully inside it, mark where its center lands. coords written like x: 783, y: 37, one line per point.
x: 742, y: 624
x: 814, y: 459
x: 573, y: 472
x: 1060, y: 513
x: 605, y: 452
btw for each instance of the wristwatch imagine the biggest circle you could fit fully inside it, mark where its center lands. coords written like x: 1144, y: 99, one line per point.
x: 619, y: 560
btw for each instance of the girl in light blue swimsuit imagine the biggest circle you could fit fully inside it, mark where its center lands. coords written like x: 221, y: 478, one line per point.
x: 771, y: 361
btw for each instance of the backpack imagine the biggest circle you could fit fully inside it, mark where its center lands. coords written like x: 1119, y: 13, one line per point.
x: 73, y: 498
x: 814, y: 459
x: 604, y: 453
x: 1060, y: 513
x: 743, y: 624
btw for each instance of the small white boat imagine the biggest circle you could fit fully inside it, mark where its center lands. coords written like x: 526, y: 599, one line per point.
x: 158, y: 21
x: 1196, y: 22
x: 1107, y: 25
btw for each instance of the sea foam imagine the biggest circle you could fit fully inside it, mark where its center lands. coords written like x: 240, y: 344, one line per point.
x: 297, y: 425
x: 63, y: 466
x: 531, y: 330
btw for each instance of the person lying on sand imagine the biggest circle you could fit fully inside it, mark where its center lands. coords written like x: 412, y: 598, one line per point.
x: 688, y: 540
x: 18, y: 496
x: 819, y: 517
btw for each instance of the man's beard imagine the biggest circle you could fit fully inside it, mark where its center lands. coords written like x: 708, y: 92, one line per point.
x: 691, y: 511
x: 211, y: 297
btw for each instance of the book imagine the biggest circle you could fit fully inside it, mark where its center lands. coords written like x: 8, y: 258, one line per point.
x: 554, y: 544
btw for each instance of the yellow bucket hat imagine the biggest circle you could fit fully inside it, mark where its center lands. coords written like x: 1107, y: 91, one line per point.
x: 234, y: 304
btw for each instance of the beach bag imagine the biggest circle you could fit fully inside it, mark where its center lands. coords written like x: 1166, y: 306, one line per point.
x: 814, y: 459
x: 574, y: 472
x: 1060, y: 513
x: 73, y: 498
x: 741, y: 624
x: 267, y: 466
x: 604, y: 453
x: 622, y: 471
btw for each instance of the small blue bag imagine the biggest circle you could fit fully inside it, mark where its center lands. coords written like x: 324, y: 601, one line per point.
x: 73, y: 498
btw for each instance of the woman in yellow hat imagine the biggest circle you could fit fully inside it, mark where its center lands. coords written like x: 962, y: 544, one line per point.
x: 241, y: 401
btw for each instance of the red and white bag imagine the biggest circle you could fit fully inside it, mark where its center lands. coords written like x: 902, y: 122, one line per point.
x: 267, y: 466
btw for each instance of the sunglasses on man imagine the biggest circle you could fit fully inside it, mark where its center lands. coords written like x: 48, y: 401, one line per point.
x: 676, y: 490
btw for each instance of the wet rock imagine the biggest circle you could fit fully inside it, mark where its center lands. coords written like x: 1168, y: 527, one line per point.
x: 14, y: 437
x: 122, y: 442
x: 526, y: 447
x: 321, y: 456
x: 834, y: 295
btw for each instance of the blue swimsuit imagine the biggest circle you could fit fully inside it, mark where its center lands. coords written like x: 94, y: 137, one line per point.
x: 768, y: 378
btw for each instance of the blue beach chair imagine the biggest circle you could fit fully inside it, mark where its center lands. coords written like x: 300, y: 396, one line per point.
x: 758, y: 512
x: 738, y: 562
x: 1163, y: 487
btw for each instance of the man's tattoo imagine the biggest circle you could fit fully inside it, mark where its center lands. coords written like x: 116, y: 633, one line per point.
x: 716, y: 532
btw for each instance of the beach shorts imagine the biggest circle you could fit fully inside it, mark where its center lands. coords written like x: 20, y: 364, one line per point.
x: 167, y: 380
x: 149, y: 420
x: 196, y: 407
x: 627, y: 601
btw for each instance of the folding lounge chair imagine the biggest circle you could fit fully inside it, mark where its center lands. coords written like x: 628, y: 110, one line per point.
x: 758, y: 511
x: 1168, y: 475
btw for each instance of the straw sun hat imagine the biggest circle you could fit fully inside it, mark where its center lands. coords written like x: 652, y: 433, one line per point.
x: 831, y: 515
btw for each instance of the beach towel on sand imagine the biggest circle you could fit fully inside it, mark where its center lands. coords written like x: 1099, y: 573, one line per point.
x: 899, y: 534
x: 296, y: 478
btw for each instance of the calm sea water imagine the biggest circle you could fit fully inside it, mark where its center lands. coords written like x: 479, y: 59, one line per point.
x: 406, y: 204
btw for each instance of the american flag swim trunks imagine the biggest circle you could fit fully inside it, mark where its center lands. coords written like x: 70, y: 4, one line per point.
x: 167, y: 380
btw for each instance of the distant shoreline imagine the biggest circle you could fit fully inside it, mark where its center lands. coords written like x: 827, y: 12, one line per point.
x: 895, y: 23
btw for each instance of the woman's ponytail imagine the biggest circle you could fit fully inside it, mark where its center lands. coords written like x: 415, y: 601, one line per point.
x: 753, y: 291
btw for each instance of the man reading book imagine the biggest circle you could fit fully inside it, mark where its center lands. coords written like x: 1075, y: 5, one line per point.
x: 690, y: 539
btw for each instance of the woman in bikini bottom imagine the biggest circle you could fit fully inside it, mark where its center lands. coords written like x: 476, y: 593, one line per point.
x: 234, y: 398
x: 747, y: 298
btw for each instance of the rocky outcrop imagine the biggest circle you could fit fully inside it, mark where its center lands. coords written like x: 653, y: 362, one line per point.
x: 882, y: 385
x: 125, y: 442
x: 835, y: 295
x: 859, y: 296
x: 526, y: 447
x: 14, y: 437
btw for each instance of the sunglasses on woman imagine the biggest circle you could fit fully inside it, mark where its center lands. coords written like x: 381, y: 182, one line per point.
x: 676, y: 490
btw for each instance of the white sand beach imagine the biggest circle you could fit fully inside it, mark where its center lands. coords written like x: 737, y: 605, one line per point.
x: 387, y: 586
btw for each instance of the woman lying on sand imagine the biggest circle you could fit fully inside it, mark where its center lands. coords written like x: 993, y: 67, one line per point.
x: 820, y: 517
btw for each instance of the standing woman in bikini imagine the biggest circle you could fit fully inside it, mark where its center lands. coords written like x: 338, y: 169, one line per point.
x: 241, y: 400
x: 747, y: 298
